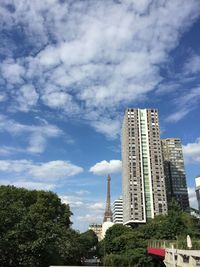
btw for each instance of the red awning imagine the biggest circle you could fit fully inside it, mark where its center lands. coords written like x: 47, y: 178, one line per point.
x: 157, y: 251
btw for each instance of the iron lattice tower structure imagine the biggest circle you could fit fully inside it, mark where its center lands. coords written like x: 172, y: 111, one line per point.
x: 108, y: 211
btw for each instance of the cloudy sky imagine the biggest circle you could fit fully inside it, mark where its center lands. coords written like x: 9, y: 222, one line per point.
x: 69, y: 69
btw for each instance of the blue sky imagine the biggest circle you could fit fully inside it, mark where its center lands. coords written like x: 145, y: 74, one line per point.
x: 68, y: 71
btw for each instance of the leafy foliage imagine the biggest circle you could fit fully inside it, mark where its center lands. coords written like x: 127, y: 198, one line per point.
x: 88, y: 242
x: 35, y: 229
x: 112, y: 233
x: 35, y: 232
x: 124, y: 246
x: 177, y: 224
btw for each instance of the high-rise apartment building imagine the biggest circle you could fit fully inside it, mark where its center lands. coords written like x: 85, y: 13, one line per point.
x: 118, y: 211
x: 144, y: 194
x: 174, y: 171
x: 197, y: 180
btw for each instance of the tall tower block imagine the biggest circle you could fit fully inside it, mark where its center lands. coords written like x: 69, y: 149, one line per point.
x: 143, y: 183
x: 175, y: 178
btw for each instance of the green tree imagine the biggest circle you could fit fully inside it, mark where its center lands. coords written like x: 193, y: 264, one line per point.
x: 35, y: 229
x: 169, y: 226
x: 113, y: 232
x: 124, y: 246
x: 87, y: 244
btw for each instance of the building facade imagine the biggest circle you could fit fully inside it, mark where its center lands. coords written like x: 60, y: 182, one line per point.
x: 118, y: 211
x: 197, y: 181
x: 176, y: 186
x: 97, y: 228
x: 143, y: 183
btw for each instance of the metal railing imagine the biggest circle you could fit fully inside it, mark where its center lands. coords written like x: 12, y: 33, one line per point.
x: 177, y: 244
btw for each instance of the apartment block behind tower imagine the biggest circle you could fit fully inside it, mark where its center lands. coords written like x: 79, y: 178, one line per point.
x: 118, y: 211
x: 174, y: 170
x: 143, y: 183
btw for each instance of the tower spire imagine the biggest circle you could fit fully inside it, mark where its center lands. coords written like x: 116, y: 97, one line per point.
x: 108, y: 212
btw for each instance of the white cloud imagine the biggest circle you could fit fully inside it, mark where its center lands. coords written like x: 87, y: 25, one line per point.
x: 82, y: 192
x: 106, y: 167
x: 27, y: 97
x: 15, y: 166
x: 14, y: 127
x: 74, y: 201
x: 60, y: 100
x: 77, y: 201
x: 57, y: 99
x: 192, y: 151
x: 29, y: 184
x: 97, y: 206
x: 9, y: 150
x: 139, y: 6
x: 108, y: 127
x: 192, y: 197
x: 37, y: 135
x: 37, y: 143
x: 96, y: 55
x: 3, y: 97
x: 178, y: 115
x: 189, y: 101
x: 48, y: 171
x: 85, y: 209
x: 192, y: 66
x: 167, y: 88
x: 12, y: 71
x: 90, y: 218
x: 57, y: 169
x: 191, y: 97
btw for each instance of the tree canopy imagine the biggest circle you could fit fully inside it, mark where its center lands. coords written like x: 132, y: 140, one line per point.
x: 125, y: 246
x: 35, y: 230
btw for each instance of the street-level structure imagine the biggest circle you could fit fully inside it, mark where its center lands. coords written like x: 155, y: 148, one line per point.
x: 143, y: 183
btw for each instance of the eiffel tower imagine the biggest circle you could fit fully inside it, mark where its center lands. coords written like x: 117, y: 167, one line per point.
x: 108, y: 212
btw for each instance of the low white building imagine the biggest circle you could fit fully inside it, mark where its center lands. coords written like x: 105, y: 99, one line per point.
x: 105, y: 227
x: 97, y: 228
x: 197, y: 180
x: 118, y: 211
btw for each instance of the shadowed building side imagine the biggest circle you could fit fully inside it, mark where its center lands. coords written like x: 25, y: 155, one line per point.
x: 174, y: 169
